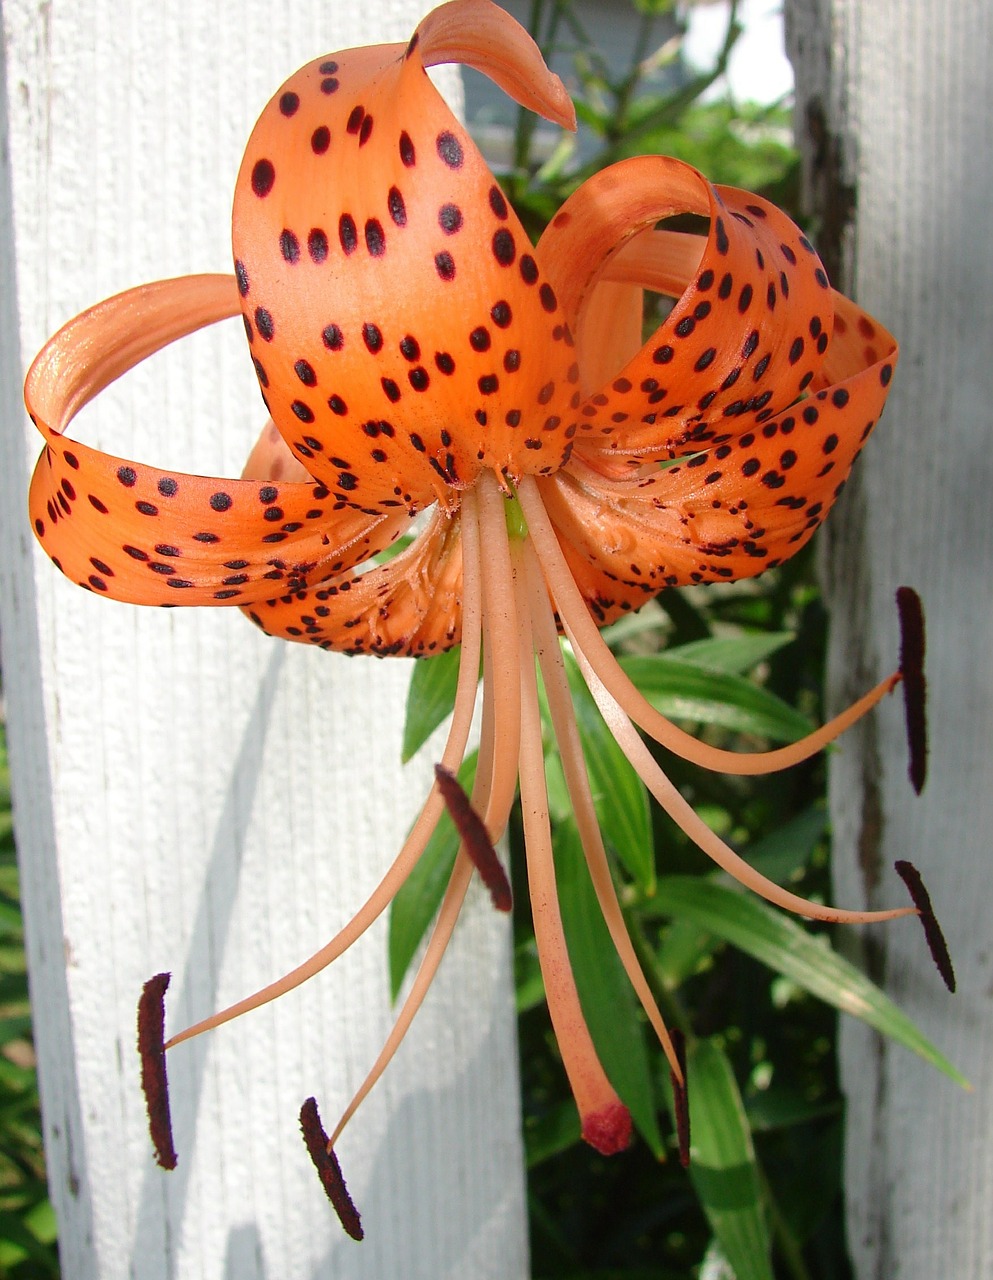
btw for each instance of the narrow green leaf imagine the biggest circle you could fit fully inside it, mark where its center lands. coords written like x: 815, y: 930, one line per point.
x: 555, y: 1132
x: 415, y: 905
x: 683, y: 950
x: 732, y: 654
x: 609, y: 1003
x: 805, y: 958
x: 17, y: 1241
x: 529, y: 985
x: 686, y: 691
x: 722, y: 1164
x: 619, y: 795
x: 784, y: 852
x: 430, y: 698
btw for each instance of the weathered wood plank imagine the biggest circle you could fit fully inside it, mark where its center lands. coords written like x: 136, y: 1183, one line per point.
x: 191, y: 795
x: 898, y: 104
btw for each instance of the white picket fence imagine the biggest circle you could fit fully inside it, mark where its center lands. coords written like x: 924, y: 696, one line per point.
x: 896, y: 103
x: 190, y: 795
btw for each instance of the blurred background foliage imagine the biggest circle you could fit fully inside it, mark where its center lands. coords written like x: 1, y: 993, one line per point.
x: 741, y: 664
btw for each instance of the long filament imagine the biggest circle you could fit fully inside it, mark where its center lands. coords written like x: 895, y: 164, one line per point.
x: 605, y: 1121
x: 427, y: 819
x: 577, y: 780
x: 500, y: 737
x: 685, y: 817
x: 585, y: 636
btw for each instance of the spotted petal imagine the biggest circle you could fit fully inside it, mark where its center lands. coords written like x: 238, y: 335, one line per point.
x: 147, y: 536
x: 402, y: 331
x: 411, y: 606
x: 731, y: 510
x: 744, y: 338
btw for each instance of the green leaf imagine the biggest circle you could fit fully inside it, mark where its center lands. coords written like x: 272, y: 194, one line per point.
x: 732, y: 654
x: 683, y: 952
x: 415, y: 905
x: 784, y: 852
x: 722, y: 1165
x: 430, y: 698
x: 555, y: 1132
x: 619, y: 795
x: 609, y: 1003
x: 529, y: 985
x: 686, y: 691
x: 17, y: 1241
x: 805, y: 958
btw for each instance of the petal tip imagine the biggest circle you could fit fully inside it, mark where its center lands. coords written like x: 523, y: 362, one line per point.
x: 485, y: 36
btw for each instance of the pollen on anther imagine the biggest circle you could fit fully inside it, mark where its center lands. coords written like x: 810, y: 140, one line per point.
x: 680, y: 1099
x: 154, y: 1084
x: 921, y: 899
x: 914, y: 682
x: 475, y: 838
x: 328, y: 1168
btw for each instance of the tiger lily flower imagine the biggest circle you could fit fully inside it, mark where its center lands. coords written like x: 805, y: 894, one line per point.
x: 416, y: 354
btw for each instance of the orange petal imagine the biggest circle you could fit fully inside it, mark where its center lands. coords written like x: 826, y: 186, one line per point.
x: 396, y: 313
x: 411, y: 606
x: 484, y: 36
x: 744, y: 338
x: 730, y: 511
x: 612, y: 331
x: 147, y: 536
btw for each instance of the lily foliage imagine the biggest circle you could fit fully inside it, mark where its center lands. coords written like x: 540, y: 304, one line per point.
x: 420, y: 358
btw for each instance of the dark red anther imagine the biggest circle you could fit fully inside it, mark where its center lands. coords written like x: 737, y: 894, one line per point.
x: 937, y: 945
x: 908, y: 603
x: 475, y: 838
x: 327, y: 1166
x: 680, y: 1099
x: 155, y: 1086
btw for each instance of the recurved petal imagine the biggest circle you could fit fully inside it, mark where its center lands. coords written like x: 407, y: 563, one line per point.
x: 411, y: 606
x: 136, y: 533
x: 484, y: 36
x: 731, y: 510
x: 396, y: 313
x: 744, y: 337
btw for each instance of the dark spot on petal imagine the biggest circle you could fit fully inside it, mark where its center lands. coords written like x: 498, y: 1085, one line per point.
x: 263, y: 177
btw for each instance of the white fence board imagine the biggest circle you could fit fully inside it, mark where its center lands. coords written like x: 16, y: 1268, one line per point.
x: 189, y: 794
x: 908, y: 103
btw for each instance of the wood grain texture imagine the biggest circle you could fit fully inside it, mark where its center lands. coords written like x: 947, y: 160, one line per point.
x: 907, y: 100
x: 189, y: 794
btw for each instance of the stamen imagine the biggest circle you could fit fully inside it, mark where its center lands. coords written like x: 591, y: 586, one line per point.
x: 585, y: 637
x: 155, y: 1086
x: 427, y: 819
x: 680, y: 1099
x: 475, y: 838
x: 606, y: 1123
x: 493, y: 791
x: 326, y: 1164
x: 689, y: 821
x: 937, y: 945
x: 908, y: 603
x: 560, y: 704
